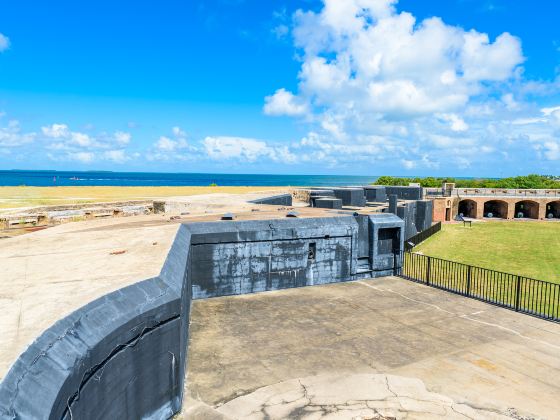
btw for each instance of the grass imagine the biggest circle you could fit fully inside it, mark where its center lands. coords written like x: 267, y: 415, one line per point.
x: 531, y: 249
x: 16, y: 197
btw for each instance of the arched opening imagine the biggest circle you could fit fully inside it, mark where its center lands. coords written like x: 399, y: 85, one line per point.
x: 496, y: 209
x: 526, y: 209
x: 553, y: 210
x: 467, y: 208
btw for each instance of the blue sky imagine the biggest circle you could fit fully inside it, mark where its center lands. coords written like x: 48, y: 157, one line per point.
x: 365, y: 87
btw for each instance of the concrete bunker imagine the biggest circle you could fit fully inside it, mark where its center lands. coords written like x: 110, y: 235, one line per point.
x: 526, y: 209
x: 496, y: 209
x: 468, y: 208
x: 553, y: 210
x: 123, y: 355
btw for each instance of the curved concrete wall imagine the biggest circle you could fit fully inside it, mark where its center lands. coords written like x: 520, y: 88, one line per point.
x: 86, y: 365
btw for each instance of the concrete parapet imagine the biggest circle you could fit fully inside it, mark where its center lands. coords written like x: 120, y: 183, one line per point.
x: 98, y: 361
x: 275, y: 200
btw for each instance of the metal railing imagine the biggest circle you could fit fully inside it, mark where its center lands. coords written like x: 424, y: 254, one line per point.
x: 522, y: 294
x: 492, y: 192
x: 421, y: 236
x: 503, y: 192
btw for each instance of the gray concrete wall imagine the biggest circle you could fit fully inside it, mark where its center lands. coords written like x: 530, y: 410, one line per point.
x: 405, y: 193
x: 354, y: 197
x: 376, y: 194
x: 254, y: 256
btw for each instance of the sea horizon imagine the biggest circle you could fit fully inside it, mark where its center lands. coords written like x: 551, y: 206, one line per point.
x: 53, y: 178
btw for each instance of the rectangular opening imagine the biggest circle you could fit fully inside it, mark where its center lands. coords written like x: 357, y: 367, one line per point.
x: 312, y: 251
x: 387, y: 240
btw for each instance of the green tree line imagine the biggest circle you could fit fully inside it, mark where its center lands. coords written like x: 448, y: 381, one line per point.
x: 529, y: 181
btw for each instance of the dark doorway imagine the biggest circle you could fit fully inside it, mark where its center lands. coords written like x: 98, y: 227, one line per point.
x: 467, y: 208
x: 495, y: 209
x: 526, y: 209
x: 388, y: 241
x: 553, y: 210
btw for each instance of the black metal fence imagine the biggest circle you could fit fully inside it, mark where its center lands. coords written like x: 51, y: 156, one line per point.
x: 421, y: 236
x: 522, y: 294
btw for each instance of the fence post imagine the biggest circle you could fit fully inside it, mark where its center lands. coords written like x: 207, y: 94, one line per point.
x: 469, y: 280
x: 428, y: 269
x: 517, y: 292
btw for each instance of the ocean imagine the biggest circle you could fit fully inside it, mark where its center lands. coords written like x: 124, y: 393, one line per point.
x: 100, y: 178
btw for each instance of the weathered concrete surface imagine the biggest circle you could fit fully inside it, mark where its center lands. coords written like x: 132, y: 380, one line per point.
x: 47, y: 275
x: 365, y: 396
x: 476, y: 354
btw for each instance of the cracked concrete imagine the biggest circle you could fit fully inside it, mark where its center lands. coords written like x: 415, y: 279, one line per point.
x: 366, y: 396
x: 456, y: 357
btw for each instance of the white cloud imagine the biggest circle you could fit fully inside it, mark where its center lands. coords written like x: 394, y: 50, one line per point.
x: 81, y: 139
x: 11, y: 135
x: 456, y: 123
x: 83, y: 157
x: 284, y: 103
x: 235, y: 147
x: 376, y: 81
x: 281, y: 31
x: 549, y: 111
x: 165, y: 144
x: 4, y: 42
x: 122, y: 137
x: 117, y: 156
x: 56, y: 131
x: 174, y: 148
x: 384, y: 61
x: 177, y: 132
x: 69, y: 145
x: 247, y: 149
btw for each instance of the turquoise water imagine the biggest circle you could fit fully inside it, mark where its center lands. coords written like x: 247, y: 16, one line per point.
x: 89, y: 178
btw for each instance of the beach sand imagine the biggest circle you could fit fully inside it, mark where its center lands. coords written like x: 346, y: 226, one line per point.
x: 17, y: 197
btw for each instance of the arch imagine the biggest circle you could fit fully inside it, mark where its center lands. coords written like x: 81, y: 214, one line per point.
x: 553, y: 210
x: 496, y: 209
x: 526, y: 209
x: 468, y: 208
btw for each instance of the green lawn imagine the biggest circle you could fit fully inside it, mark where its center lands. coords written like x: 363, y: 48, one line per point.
x: 530, y: 249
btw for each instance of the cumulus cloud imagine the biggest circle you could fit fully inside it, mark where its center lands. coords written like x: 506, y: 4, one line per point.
x: 165, y: 144
x: 122, y: 137
x: 283, y: 102
x: 4, y: 42
x: 247, y: 149
x: 374, y: 79
x: 12, y: 135
x: 174, y: 147
x: 456, y: 123
x: 69, y: 145
x: 117, y: 156
x: 83, y: 157
x: 364, y: 54
x: 56, y: 131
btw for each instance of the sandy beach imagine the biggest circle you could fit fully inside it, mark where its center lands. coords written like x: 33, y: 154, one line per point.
x: 23, y: 196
